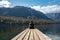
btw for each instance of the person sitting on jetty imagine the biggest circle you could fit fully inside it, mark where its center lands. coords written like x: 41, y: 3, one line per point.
x: 31, y: 25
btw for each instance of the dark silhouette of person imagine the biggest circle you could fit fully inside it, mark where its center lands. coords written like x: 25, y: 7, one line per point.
x: 31, y: 25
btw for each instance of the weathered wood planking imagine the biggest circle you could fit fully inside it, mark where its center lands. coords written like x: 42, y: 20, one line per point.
x: 31, y: 34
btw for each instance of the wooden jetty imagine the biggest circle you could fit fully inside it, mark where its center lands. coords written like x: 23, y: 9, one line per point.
x: 31, y: 34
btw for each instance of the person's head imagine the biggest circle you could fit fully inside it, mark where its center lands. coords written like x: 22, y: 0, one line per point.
x: 31, y: 21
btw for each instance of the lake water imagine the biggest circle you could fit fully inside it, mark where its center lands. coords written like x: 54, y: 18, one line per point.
x: 53, y: 30
x: 54, y: 37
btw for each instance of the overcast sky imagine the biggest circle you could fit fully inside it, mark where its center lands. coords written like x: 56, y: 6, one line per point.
x: 46, y: 6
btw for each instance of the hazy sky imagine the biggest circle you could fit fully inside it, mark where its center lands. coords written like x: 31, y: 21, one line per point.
x: 34, y: 2
x: 45, y: 6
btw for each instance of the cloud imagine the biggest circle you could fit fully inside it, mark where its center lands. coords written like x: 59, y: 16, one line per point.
x: 5, y: 3
x: 47, y: 9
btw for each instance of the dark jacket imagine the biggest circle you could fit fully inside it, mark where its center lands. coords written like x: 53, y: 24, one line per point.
x: 31, y: 25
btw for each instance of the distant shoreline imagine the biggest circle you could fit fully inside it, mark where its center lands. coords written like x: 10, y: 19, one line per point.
x: 25, y: 20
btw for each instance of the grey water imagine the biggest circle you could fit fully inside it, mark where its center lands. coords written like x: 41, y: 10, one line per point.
x: 53, y: 30
x: 54, y: 37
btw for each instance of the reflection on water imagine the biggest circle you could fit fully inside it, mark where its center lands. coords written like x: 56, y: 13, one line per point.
x: 54, y: 37
x: 8, y: 27
x: 52, y: 30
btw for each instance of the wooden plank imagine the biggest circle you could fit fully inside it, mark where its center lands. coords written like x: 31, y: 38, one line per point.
x: 28, y: 34
x: 35, y: 35
x: 19, y: 35
x: 23, y: 35
x: 31, y: 34
x: 42, y: 36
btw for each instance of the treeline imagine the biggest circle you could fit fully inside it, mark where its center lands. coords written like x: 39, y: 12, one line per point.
x: 24, y: 20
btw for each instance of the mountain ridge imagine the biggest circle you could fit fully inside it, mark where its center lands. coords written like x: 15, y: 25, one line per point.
x: 54, y: 16
x: 21, y: 11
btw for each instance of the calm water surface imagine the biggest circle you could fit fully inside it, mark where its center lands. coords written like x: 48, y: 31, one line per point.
x: 53, y: 30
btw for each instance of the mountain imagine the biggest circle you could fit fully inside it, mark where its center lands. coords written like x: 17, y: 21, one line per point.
x: 21, y: 11
x: 54, y: 16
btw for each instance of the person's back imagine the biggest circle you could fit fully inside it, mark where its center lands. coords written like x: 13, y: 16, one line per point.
x: 31, y: 25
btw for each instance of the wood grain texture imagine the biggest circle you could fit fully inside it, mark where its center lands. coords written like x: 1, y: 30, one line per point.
x: 31, y: 34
